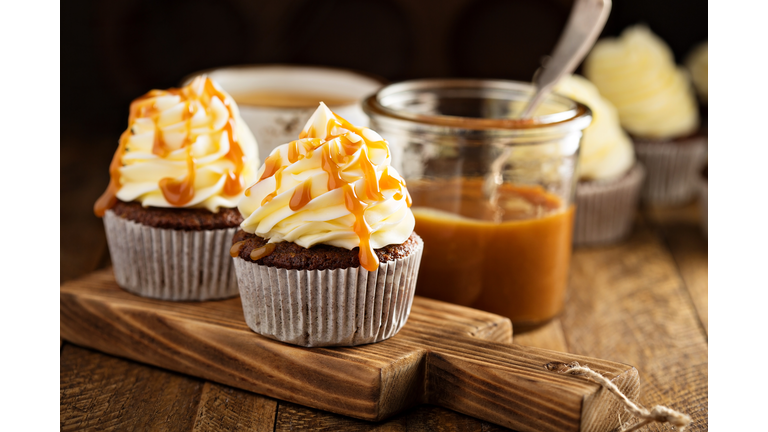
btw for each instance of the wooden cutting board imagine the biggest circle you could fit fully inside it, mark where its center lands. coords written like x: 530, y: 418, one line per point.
x: 456, y: 357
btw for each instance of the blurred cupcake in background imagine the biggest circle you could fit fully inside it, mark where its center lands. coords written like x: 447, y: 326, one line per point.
x: 703, y: 201
x: 697, y: 63
x: 656, y: 105
x: 610, y: 178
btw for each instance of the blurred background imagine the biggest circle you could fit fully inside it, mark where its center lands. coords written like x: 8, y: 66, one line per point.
x: 115, y: 51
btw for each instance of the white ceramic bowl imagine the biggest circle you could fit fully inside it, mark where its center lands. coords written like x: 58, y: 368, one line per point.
x: 273, y: 126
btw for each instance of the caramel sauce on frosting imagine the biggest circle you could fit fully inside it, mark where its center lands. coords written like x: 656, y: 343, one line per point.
x: 345, y: 195
x: 184, y: 147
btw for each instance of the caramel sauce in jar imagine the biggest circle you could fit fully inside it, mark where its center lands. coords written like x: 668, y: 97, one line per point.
x: 517, y: 268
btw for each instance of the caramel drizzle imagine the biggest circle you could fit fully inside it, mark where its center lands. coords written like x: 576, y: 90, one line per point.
x: 108, y: 199
x: 180, y: 192
x: 348, y: 146
x: 235, y: 182
x: 293, y: 152
x: 256, y: 254
x: 234, y: 251
x: 278, y: 180
x: 176, y: 192
x: 271, y: 165
x: 388, y: 182
x: 301, y: 195
x: 368, y: 258
x: 373, y: 187
x: 263, y: 251
x: 330, y: 163
x: 332, y: 168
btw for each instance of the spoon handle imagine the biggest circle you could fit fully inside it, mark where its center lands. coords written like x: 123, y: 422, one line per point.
x: 584, y: 25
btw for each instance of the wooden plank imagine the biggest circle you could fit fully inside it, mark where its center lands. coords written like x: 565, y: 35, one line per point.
x: 99, y: 392
x: 423, y: 418
x: 549, y: 336
x: 292, y: 417
x: 428, y: 418
x: 223, y: 408
x: 689, y: 250
x: 439, y: 357
x: 628, y: 302
x: 684, y: 238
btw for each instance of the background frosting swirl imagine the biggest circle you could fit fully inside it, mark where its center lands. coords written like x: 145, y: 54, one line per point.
x: 311, y: 189
x: 187, y: 133
x: 637, y: 73
x: 606, y: 150
x: 697, y: 63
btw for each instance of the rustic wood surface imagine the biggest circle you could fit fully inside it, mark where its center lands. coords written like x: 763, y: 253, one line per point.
x: 642, y: 302
x: 447, y: 355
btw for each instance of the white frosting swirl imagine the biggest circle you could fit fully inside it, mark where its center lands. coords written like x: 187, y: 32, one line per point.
x: 190, y: 121
x: 606, y: 150
x: 697, y: 63
x: 327, y: 218
x: 637, y: 73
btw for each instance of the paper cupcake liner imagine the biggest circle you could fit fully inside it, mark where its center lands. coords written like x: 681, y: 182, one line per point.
x: 171, y: 264
x: 605, y: 210
x: 343, y: 307
x: 703, y: 206
x: 671, y: 169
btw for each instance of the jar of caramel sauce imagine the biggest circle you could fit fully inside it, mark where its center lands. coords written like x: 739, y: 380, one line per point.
x: 492, y: 194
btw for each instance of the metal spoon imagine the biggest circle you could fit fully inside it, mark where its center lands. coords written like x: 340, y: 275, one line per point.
x: 584, y: 25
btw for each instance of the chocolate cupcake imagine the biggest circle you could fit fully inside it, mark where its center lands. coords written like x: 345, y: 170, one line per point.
x: 608, y: 190
x: 656, y: 106
x: 176, y: 177
x: 327, y: 254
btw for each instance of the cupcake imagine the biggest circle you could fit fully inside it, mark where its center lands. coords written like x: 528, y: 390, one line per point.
x: 608, y: 189
x: 697, y: 63
x: 703, y: 201
x: 326, y: 254
x: 175, y: 180
x: 656, y: 105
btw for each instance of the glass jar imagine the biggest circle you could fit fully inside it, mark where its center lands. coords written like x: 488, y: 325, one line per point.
x: 492, y: 194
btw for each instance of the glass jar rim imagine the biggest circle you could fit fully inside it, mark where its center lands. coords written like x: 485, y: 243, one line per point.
x: 576, y: 118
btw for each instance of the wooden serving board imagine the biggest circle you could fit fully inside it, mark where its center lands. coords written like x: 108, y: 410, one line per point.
x: 456, y: 357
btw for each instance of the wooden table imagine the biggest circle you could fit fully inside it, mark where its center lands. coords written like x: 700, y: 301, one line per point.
x: 642, y: 302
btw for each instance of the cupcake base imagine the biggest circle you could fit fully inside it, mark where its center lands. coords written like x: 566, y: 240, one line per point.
x: 672, y: 168
x: 341, y: 307
x: 171, y: 264
x: 605, y: 210
x: 703, y: 206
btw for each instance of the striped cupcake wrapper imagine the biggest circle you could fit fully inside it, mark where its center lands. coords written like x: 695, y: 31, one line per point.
x: 171, y: 264
x: 672, y: 169
x: 342, y: 307
x: 703, y: 187
x: 605, y: 210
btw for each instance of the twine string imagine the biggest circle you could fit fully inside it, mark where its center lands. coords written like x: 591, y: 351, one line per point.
x: 658, y: 413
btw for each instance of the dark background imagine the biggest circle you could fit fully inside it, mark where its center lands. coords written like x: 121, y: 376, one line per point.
x: 114, y: 51
x: 117, y: 50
